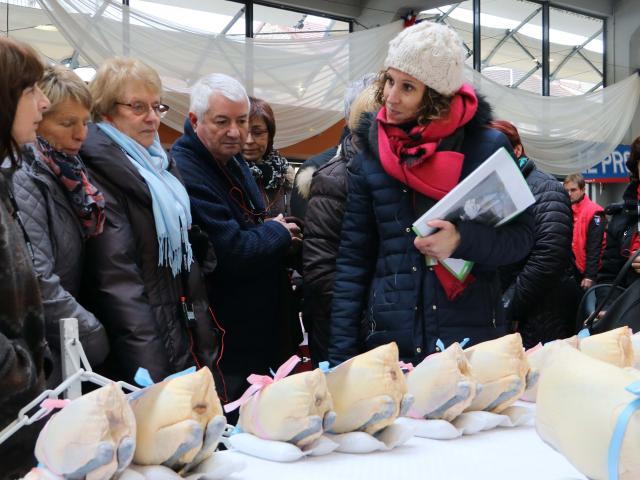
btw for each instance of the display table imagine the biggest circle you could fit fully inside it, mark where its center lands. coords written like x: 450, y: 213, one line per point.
x: 499, y: 454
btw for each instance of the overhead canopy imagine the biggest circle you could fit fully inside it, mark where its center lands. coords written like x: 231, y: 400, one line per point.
x: 305, y: 79
x: 565, y: 134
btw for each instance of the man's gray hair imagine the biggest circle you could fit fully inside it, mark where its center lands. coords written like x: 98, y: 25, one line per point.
x: 354, y: 89
x: 218, y: 83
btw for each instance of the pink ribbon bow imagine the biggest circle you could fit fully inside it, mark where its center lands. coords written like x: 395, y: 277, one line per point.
x: 53, y: 403
x: 258, y: 382
x: 406, y: 366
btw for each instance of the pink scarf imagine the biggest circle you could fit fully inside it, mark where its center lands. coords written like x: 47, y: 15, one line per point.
x: 412, y: 158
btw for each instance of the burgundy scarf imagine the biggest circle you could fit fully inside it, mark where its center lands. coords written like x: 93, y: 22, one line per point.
x: 85, y: 199
x: 412, y: 158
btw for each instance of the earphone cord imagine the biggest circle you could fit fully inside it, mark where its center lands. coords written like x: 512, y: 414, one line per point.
x: 249, y: 210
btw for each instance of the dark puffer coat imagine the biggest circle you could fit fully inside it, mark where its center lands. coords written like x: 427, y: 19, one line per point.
x: 383, y: 280
x: 22, y: 340
x: 620, y: 230
x: 542, y: 295
x: 137, y: 300
x: 58, y: 245
x: 323, y: 222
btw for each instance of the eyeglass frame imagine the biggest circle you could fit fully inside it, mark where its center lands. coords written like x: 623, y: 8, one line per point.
x: 157, y: 109
x: 259, y: 133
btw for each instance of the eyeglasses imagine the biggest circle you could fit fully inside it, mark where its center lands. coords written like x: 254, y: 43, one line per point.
x: 258, y: 132
x: 142, y: 108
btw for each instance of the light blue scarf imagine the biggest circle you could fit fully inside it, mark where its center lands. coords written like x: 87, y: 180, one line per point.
x: 169, y: 198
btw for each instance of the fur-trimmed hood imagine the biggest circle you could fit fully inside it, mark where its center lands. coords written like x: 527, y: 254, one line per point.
x: 367, y: 131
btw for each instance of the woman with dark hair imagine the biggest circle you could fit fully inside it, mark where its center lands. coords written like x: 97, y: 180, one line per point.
x: 272, y: 171
x: 61, y: 208
x: 622, y: 238
x: 22, y: 340
x: 431, y: 132
x: 540, y: 295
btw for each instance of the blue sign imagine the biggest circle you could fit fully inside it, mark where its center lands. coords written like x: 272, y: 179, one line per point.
x: 613, y: 169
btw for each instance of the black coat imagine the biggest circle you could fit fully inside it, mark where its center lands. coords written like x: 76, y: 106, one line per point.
x: 136, y: 299
x: 323, y: 222
x: 383, y: 279
x: 542, y: 296
x: 620, y: 230
x: 299, y: 197
x: 300, y: 193
x: 247, y: 287
x: 22, y: 338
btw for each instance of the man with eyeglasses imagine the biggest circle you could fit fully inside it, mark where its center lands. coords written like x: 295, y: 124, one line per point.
x: 250, y: 249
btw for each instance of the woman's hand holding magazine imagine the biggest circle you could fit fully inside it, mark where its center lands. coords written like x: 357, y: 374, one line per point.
x: 439, y: 245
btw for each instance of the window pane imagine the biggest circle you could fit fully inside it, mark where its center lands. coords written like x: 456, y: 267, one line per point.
x: 458, y: 16
x: 279, y: 23
x: 27, y: 23
x: 576, y: 52
x: 212, y: 16
x: 511, y: 37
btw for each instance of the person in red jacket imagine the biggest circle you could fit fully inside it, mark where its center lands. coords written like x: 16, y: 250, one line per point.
x: 589, y: 223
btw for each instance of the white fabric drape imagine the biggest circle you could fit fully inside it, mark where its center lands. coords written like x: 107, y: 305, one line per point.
x: 305, y: 80
x: 565, y: 134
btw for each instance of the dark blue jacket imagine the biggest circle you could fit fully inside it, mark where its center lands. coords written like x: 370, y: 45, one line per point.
x: 244, y: 289
x: 384, y: 291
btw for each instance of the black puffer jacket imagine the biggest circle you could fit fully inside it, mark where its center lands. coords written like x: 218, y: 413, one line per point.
x: 542, y: 297
x: 323, y: 223
x: 137, y: 300
x: 620, y: 230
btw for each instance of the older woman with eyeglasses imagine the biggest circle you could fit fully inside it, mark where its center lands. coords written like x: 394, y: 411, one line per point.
x: 143, y: 283
x: 272, y: 171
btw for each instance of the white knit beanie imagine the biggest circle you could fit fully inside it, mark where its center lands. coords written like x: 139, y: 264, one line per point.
x: 430, y: 52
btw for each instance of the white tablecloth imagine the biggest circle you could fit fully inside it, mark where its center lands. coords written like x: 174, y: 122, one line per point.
x: 500, y: 454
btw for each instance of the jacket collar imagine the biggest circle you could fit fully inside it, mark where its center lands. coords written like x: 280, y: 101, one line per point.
x: 527, y: 166
x: 105, y: 159
x: 367, y: 129
x: 199, y: 154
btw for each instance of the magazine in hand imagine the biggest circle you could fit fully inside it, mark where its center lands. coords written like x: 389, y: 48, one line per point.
x: 492, y: 194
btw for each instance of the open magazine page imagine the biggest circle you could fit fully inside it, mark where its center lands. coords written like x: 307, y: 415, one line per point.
x: 492, y: 194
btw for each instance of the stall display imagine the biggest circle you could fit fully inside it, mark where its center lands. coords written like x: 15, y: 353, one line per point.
x: 442, y: 385
x: 179, y: 421
x: 175, y: 425
x: 537, y: 358
x: 296, y: 409
x: 501, y: 367
x: 92, y: 437
x: 586, y: 410
x: 613, y: 346
x: 369, y: 391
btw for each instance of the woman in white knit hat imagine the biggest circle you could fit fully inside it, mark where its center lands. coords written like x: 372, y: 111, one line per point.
x: 430, y: 133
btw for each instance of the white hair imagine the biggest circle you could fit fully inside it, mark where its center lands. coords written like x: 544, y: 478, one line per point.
x: 218, y: 83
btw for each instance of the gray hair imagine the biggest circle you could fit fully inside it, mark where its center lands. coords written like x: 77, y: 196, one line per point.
x: 354, y: 89
x: 218, y: 83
